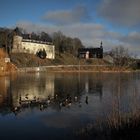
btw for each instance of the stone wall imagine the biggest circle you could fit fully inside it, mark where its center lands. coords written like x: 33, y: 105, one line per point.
x: 33, y: 46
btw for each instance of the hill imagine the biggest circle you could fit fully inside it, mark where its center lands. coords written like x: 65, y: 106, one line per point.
x: 30, y: 60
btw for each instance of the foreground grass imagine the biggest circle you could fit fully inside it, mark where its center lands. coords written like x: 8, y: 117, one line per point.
x: 118, y: 124
x: 112, y: 129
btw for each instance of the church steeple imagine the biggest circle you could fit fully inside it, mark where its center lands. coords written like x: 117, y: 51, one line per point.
x: 101, y: 46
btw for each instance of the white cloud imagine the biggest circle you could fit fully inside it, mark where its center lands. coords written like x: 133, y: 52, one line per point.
x: 132, y: 38
x: 121, y: 12
x: 90, y: 35
x: 74, y: 15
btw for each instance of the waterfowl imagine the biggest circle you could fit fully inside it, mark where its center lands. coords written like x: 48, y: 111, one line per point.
x: 86, y: 101
x: 48, y: 101
x: 75, y: 98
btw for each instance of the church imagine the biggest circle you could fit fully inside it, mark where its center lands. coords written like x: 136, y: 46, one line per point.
x: 91, y: 52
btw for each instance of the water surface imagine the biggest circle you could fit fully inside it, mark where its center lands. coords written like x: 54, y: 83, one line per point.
x: 57, y: 106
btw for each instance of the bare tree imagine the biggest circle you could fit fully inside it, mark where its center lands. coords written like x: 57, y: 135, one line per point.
x: 121, y: 56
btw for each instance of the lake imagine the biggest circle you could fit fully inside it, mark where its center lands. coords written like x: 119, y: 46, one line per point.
x: 60, y: 105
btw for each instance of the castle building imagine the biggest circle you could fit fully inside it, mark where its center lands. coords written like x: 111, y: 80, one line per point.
x: 91, y: 52
x: 33, y: 46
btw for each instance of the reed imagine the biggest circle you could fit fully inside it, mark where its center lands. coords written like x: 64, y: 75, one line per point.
x: 119, y: 124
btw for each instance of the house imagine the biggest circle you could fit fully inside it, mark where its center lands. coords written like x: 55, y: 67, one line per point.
x: 33, y: 47
x: 91, y: 52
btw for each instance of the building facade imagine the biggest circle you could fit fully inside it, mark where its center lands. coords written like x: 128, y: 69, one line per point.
x: 91, y: 52
x: 33, y: 46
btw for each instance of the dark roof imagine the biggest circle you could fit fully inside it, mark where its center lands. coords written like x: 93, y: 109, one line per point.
x: 89, y: 49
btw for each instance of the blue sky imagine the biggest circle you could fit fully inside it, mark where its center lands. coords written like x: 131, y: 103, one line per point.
x: 115, y: 22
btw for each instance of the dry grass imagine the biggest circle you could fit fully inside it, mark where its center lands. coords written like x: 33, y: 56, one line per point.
x: 118, y: 124
x: 24, y: 59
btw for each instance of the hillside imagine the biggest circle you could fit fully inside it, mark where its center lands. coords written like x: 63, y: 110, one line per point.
x: 30, y: 60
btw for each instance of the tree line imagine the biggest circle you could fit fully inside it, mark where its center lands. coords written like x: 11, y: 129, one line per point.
x: 62, y: 42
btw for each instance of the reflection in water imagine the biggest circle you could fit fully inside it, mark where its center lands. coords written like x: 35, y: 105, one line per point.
x: 59, y: 103
x: 59, y: 90
x: 39, y: 91
x: 32, y: 88
x: 5, y: 98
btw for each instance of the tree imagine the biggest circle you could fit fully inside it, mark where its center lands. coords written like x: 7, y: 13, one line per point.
x: 57, y: 40
x: 41, y: 53
x: 66, y: 44
x: 120, y: 55
x: 45, y: 37
x: 6, y: 39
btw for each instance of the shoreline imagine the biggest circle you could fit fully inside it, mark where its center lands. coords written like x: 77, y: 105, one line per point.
x: 72, y: 69
x: 77, y: 69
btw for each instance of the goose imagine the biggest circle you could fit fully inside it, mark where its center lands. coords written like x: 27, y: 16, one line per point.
x: 69, y: 104
x: 41, y: 107
x: 60, y: 104
x: 56, y: 96
x: 86, y: 100
x: 75, y: 98
x: 35, y: 98
x: 26, y: 96
x: 48, y: 101
x: 80, y: 104
x: 16, y: 108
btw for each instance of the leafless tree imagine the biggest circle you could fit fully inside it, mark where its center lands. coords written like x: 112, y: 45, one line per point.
x: 121, y: 56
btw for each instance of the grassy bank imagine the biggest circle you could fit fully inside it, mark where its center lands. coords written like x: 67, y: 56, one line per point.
x: 63, y: 63
x: 30, y: 60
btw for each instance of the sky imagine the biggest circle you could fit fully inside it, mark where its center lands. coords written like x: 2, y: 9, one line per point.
x: 114, y: 22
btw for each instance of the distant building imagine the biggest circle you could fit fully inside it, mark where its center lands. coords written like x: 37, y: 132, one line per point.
x: 33, y: 46
x: 91, y: 52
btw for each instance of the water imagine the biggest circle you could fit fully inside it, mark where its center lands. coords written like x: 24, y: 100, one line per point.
x: 57, y: 106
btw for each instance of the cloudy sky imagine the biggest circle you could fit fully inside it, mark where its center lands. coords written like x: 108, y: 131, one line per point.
x: 114, y: 22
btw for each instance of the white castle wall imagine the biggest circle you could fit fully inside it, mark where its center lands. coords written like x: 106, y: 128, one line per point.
x: 33, y: 46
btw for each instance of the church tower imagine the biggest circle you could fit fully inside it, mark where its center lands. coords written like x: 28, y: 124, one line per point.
x: 101, y: 46
x: 101, y: 50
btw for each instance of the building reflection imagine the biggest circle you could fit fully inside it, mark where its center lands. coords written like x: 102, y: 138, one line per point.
x: 38, y: 90
x: 3, y: 90
x: 32, y: 88
x: 4, y: 96
x: 93, y: 87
